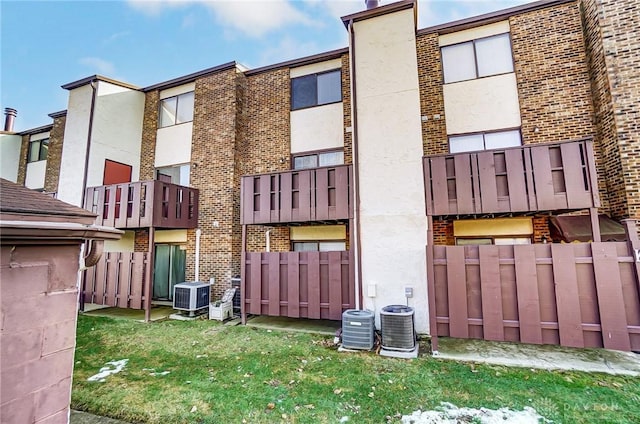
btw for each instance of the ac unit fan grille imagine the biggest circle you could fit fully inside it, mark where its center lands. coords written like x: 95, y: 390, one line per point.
x: 358, y: 329
x: 182, y: 297
x: 397, y: 329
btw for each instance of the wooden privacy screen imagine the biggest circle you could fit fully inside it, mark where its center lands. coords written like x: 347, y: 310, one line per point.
x: 312, y: 285
x: 118, y: 279
x: 579, y: 294
x: 297, y: 196
x: 539, y: 177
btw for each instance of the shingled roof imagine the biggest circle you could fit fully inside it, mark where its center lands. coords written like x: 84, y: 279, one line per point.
x: 17, y: 199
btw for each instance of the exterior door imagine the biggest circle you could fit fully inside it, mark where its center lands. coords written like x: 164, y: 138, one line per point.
x: 169, y: 270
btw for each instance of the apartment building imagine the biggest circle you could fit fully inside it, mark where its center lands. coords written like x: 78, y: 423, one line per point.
x: 321, y: 181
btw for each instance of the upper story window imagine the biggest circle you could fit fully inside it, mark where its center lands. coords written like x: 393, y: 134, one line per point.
x: 176, y: 110
x: 477, y: 58
x: 316, y: 89
x: 484, y: 141
x: 38, y: 150
x: 315, y: 160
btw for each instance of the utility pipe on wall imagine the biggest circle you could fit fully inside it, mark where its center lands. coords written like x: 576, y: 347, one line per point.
x: 267, y: 235
x: 197, y: 267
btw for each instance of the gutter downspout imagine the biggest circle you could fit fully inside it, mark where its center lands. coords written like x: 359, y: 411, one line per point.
x: 356, y: 179
x: 94, y: 87
x: 267, y: 235
x: 197, y: 265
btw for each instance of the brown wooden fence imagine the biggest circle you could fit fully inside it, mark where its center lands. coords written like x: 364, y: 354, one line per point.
x: 118, y: 279
x: 316, y: 285
x: 580, y: 295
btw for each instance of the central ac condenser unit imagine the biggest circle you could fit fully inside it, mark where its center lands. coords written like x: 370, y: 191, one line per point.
x: 358, y: 328
x: 396, y: 326
x: 191, y: 296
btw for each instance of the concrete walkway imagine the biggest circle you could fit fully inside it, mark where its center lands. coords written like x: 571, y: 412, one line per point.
x: 542, y: 357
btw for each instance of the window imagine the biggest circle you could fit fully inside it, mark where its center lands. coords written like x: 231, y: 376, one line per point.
x: 177, y: 174
x: 318, y: 246
x: 315, y: 160
x: 316, y: 89
x: 484, y: 141
x: 477, y: 58
x: 498, y: 231
x: 38, y: 150
x: 176, y: 110
x: 499, y: 241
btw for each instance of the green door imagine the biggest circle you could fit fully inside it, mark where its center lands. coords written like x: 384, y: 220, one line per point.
x: 169, y: 269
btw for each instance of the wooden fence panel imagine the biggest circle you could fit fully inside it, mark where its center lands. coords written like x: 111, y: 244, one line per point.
x: 314, y: 285
x: 118, y: 279
x: 580, y: 295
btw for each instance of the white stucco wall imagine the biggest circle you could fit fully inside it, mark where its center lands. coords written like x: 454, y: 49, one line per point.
x: 34, y: 177
x: 173, y: 145
x: 75, y: 145
x: 317, y: 128
x: 125, y: 244
x: 392, y: 210
x: 474, y: 33
x: 117, y: 130
x: 10, y: 145
x: 482, y: 104
x: 315, y: 68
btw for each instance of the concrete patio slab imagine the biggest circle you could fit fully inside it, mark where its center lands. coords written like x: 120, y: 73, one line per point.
x: 539, y: 356
x: 314, y: 326
x: 158, y: 313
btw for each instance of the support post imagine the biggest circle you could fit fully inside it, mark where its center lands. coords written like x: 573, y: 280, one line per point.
x: 148, y: 289
x: 634, y: 246
x: 243, y: 267
x: 431, y: 288
x: 595, y: 225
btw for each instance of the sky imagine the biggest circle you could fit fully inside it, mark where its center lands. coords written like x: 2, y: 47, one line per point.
x: 45, y: 44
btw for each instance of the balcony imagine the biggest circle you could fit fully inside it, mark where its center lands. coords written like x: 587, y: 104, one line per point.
x: 143, y: 204
x: 539, y: 177
x: 320, y: 194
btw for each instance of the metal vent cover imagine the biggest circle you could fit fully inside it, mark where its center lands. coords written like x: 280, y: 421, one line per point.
x: 358, y: 329
x: 398, y: 332
x: 191, y: 296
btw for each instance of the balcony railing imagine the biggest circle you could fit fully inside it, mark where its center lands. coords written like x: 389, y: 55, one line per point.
x: 143, y: 204
x: 320, y: 194
x: 540, y: 177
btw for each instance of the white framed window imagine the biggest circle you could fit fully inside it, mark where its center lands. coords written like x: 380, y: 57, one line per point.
x: 316, y: 89
x: 318, y: 246
x: 484, y: 141
x: 477, y: 58
x: 315, y: 160
x: 176, y: 110
x: 38, y: 150
x: 176, y: 174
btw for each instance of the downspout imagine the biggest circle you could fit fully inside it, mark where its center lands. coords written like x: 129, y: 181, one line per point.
x: 197, y: 266
x: 95, y: 252
x: 356, y: 179
x: 94, y: 87
x: 267, y: 236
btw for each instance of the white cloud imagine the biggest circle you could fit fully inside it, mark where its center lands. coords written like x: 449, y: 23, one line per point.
x: 288, y: 48
x: 98, y: 65
x: 116, y: 36
x: 254, y: 18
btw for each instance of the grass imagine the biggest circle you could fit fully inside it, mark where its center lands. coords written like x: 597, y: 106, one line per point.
x: 222, y: 374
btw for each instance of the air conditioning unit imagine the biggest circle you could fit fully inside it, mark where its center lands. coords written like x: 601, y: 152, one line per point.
x: 191, y: 296
x: 358, y: 329
x: 396, y: 325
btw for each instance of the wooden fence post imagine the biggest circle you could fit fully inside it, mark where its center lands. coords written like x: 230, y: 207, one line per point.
x: 634, y: 246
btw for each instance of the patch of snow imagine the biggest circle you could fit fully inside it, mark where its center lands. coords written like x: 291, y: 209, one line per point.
x: 107, y: 370
x: 159, y: 373
x: 448, y: 413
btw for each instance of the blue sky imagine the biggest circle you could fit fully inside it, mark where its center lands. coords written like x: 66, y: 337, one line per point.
x: 46, y: 44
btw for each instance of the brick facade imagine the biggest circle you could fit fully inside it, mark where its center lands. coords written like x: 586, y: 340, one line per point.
x: 346, y: 108
x: 149, y: 131
x: 434, y: 131
x: 54, y: 157
x: 213, y: 154
x: 612, y: 38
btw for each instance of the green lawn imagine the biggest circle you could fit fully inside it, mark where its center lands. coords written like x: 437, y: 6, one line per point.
x: 222, y: 374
